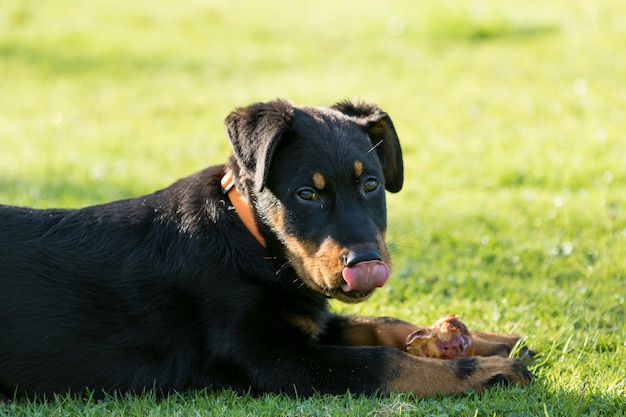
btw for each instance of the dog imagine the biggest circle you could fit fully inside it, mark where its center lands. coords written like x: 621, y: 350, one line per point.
x: 222, y: 280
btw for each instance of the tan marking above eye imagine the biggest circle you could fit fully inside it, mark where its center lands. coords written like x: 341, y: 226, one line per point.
x: 358, y: 168
x: 319, y: 181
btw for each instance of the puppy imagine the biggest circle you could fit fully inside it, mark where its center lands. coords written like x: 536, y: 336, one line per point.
x: 221, y: 280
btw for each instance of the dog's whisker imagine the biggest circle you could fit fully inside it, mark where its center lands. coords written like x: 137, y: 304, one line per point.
x: 282, y: 268
x: 375, y: 146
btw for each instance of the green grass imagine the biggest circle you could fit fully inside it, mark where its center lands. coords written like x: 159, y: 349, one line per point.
x: 511, y: 116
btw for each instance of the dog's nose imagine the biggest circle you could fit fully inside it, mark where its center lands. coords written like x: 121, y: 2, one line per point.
x: 356, y: 255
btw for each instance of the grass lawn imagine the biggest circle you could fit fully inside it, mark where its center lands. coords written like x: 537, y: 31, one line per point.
x: 511, y: 115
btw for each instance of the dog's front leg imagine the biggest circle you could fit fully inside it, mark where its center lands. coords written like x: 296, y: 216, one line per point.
x: 331, y: 369
x: 366, y: 331
x: 498, y: 344
x: 387, y: 331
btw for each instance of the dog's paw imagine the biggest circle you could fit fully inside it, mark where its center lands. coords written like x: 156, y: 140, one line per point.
x: 480, y: 373
x: 429, y: 376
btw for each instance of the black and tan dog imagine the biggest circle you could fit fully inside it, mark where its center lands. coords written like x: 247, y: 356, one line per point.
x: 221, y: 280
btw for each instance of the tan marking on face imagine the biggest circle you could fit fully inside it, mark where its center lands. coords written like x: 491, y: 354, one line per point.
x: 319, y: 267
x: 358, y: 168
x: 276, y: 217
x: 314, y: 268
x: 319, y: 181
x: 382, y: 246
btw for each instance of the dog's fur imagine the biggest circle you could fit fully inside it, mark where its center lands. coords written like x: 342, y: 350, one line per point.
x: 171, y: 291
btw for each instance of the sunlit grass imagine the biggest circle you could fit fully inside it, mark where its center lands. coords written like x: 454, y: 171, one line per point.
x: 511, y: 116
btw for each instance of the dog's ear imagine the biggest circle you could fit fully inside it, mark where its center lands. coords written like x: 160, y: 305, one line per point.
x: 383, y: 136
x: 255, y: 131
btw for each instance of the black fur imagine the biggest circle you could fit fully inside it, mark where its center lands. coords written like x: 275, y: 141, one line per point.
x: 171, y: 291
x: 466, y: 367
x: 498, y: 380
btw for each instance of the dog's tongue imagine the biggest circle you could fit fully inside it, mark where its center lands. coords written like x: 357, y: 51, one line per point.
x: 365, y: 276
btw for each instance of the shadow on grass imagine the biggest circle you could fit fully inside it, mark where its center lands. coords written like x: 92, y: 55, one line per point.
x: 62, y: 193
x: 535, y: 401
x: 459, y: 26
x: 577, y: 403
x: 49, y: 59
x: 486, y: 32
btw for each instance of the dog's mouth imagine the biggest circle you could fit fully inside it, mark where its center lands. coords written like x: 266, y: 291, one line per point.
x: 360, y: 280
x: 333, y: 270
x: 350, y: 297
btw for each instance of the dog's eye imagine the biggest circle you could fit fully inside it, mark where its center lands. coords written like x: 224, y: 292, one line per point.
x: 308, y: 194
x: 370, y: 185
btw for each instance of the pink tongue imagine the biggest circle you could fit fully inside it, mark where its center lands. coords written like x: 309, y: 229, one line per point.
x: 365, y: 276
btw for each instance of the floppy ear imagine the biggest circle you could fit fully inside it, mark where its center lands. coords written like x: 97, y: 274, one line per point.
x: 254, y: 132
x: 383, y: 136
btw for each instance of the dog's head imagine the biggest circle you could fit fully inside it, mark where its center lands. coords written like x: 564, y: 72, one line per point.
x: 316, y: 179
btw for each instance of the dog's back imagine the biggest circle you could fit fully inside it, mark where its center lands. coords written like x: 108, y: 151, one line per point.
x: 88, y: 295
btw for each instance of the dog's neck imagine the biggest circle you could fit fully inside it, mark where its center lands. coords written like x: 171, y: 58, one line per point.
x: 241, y: 207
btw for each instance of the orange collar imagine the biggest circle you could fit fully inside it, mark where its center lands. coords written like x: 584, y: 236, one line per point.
x: 241, y: 207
